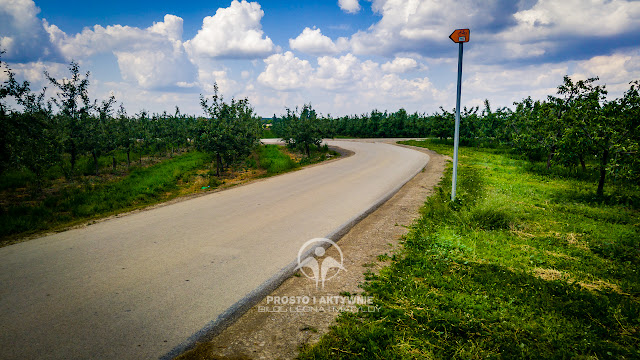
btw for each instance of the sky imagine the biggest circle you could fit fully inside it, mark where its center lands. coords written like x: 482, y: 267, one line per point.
x: 343, y: 57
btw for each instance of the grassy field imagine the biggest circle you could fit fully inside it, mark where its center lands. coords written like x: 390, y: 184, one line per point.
x: 25, y: 210
x: 527, y: 264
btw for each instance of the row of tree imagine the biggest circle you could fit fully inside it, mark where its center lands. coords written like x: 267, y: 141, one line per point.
x: 576, y: 127
x: 57, y: 131
x: 581, y: 126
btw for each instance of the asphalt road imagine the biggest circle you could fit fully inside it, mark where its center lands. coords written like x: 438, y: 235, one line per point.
x: 136, y: 286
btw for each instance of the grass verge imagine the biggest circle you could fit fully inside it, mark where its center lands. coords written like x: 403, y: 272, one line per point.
x: 93, y: 198
x: 522, y: 266
x: 25, y: 211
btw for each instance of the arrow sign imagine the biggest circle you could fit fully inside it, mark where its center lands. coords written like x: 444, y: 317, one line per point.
x: 460, y: 36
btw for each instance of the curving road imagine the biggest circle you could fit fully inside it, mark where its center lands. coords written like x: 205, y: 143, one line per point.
x: 136, y: 286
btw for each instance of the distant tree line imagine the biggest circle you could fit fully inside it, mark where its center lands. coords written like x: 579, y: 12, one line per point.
x: 577, y: 128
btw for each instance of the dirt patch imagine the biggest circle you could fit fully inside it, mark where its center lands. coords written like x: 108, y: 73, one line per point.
x: 263, y: 333
x: 548, y: 274
x: 601, y: 285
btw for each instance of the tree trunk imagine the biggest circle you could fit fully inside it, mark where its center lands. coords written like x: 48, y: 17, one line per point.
x: 128, y: 158
x: 306, y: 147
x: 113, y: 159
x: 95, y: 161
x: 551, y: 153
x: 73, y: 158
x: 603, y: 172
x: 218, y: 163
x: 584, y: 166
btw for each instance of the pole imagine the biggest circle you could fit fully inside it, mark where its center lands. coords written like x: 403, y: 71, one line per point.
x: 457, y: 131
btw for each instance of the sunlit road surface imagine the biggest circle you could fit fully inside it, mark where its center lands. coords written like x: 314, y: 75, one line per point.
x: 136, y: 286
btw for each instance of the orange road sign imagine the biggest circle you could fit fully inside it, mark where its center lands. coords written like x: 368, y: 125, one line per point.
x: 460, y: 36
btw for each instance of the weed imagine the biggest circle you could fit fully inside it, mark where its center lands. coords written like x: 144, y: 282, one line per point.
x: 275, y: 161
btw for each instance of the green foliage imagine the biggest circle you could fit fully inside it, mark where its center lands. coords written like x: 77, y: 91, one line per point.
x: 380, y: 124
x: 274, y: 160
x: 231, y: 132
x: 521, y: 269
x: 302, y: 128
x: 40, y: 139
x: 580, y: 127
x: 141, y: 187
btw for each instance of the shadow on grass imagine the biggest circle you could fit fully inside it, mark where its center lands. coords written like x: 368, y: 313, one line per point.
x: 436, y: 307
x: 616, y: 195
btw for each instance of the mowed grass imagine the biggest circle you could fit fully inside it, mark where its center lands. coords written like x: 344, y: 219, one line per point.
x: 141, y: 187
x: 95, y: 197
x: 523, y: 266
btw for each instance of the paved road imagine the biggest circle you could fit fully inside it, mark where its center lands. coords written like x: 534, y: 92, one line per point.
x: 134, y: 287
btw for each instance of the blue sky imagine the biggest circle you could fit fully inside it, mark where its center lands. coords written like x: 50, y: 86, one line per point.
x: 343, y: 56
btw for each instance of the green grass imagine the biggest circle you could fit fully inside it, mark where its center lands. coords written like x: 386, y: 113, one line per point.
x: 67, y: 203
x: 275, y: 161
x: 523, y: 266
x: 141, y: 187
x: 268, y: 134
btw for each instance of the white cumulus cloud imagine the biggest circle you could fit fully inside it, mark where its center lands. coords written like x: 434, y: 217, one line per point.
x: 400, y: 65
x: 343, y: 72
x: 567, y: 29
x: 311, y: 41
x: 350, y: 6
x: 22, y: 34
x: 424, y: 26
x: 350, y: 82
x: 575, y: 17
x: 153, y: 57
x: 285, y: 72
x: 233, y: 32
x: 615, y: 70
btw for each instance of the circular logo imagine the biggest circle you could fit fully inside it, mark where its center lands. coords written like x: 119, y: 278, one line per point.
x: 317, y: 269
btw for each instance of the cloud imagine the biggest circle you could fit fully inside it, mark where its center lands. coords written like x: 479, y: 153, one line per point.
x: 285, y: 72
x: 33, y: 72
x: 208, y: 78
x: 424, y: 26
x: 400, y: 65
x: 345, y: 72
x: 233, y: 32
x: 502, y: 31
x: 490, y: 81
x: 351, y: 83
x: 156, y: 69
x: 570, y: 18
x: 572, y: 30
x: 616, y: 70
x: 154, y: 57
x: 22, y: 35
x: 311, y: 41
x: 350, y: 6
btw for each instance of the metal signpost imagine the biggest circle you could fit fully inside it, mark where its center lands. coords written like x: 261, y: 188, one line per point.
x: 459, y: 36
